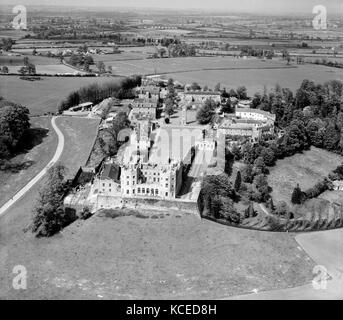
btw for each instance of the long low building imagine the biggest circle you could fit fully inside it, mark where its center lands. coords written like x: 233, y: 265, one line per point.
x: 250, y: 123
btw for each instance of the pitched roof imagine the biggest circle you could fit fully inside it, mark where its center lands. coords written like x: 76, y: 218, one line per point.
x: 111, y: 171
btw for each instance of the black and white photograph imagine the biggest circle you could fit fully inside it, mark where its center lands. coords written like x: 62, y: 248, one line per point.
x: 185, y: 150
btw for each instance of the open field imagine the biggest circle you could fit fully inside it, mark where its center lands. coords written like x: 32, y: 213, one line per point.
x: 44, y: 95
x: 175, y: 257
x: 255, y: 80
x: 8, y: 61
x: 29, y: 163
x: 306, y: 169
x: 48, y: 69
x: 187, y: 64
x: 230, y: 72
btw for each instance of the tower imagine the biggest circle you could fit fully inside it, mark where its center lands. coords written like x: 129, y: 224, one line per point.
x: 184, y: 115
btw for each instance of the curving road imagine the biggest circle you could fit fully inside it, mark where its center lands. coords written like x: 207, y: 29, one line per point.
x: 54, y: 159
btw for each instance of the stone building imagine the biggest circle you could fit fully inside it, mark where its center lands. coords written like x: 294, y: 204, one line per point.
x: 143, y: 109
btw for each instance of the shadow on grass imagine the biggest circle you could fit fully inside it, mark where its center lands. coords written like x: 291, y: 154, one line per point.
x: 31, y: 138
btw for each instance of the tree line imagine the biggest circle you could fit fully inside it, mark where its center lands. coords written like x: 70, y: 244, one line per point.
x: 95, y: 92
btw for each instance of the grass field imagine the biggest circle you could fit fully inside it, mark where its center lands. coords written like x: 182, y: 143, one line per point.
x: 48, y: 69
x: 30, y: 163
x: 175, y: 257
x: 44, y: 95
x: 306, y: 169
x: 230, y: 72
x: 79, y: 137
x: 6, y: 60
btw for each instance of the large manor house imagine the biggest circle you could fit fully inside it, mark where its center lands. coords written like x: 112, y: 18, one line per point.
x: 142, y: 172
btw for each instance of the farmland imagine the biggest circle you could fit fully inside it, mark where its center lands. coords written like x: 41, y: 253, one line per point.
x: 48, y: 69
x: 6, y: 60
x: 306, y: 169
x: 43, y: 96
x: 230, y: 72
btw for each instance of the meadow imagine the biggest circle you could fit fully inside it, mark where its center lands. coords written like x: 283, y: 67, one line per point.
x: 44, y: 95
x: 48, y: 69
x: 231, y: 72
x: 8, y: 61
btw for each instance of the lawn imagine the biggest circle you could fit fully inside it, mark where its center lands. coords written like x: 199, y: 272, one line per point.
x: 44, y: 95
x: 79, y: 134
x: 175, y: 257
x: 306, y: 169
x: 31, y: 162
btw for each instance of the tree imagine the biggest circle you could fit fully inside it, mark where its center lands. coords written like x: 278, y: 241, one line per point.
x: 31, y: 68
x: 6, y: 44
x: 101, y: 66
x: 195, y: 86
x: 206, y: 112
x: 228, y: 212
x: 217, y: 87
x: 23, y: 70
x: 249, y: 212
x: 297, y: 195
x: 242, y: 93
x: 247, y: 173
x: 262, y: 187
x: 49, y: 215
x: 238, y: 181
x: 26, y: 61
x: 4, y: 69
x: 14, y: 122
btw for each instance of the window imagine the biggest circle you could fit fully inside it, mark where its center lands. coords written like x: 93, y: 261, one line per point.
x: 133, y: 191
x: 154, y: 179
x: 110, y: 190
x: 128, y: 182
x: 166, y: 185
x: 139, y: 190
x: 127, y: 191
x: 166, y: 194
x: 156, y: 191
x: 147, y: 190
x: 109, y: 185
x: 103, y: 184
x: 143, y: 190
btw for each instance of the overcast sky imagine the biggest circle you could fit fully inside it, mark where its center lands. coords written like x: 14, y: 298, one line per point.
x: 260, y: 6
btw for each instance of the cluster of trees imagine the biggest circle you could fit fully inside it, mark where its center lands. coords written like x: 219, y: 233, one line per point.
x: 81, y: 60
x: 171, y: 98
x: 28, y: 68
x: 6, y: 44
x: 314, y: 116
x: 181, y: 50
x: 97, y: 92
x: 49, y: 214
x: 111, y: 145
x: 299, y: 196
x: 217, y: 196
x: 250, y: 51
x: 206, y: 113
x: 14, y: 122
x: 4, y: 69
